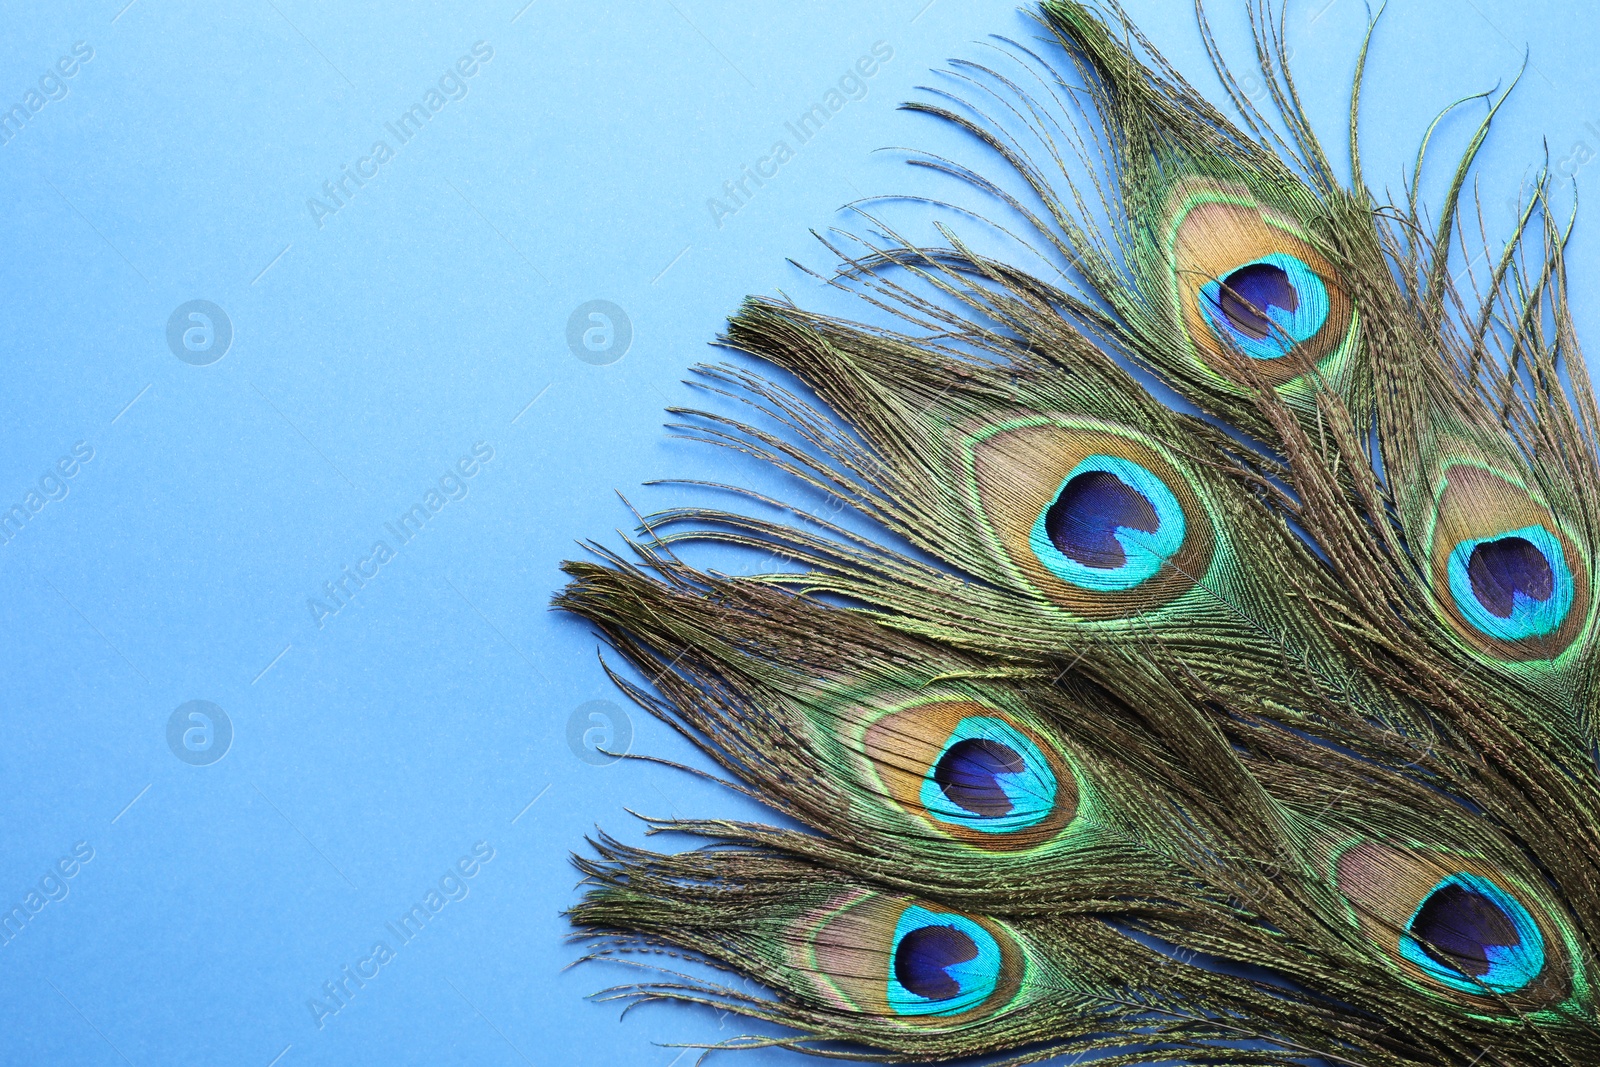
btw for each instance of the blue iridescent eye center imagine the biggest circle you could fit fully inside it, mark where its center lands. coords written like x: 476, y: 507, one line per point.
x: 924, y: 956
x: 1499, y: 570
x: 1112, y: 525
x: 969, y: 774
x: 1249, y: 292
x: 1513, y: 586
x: 1459, y: 928
x: 1471, y: 935
x: 941, y: 964
x: 989, y: 777
x: 1265, y: 307
x: 1091, y: 508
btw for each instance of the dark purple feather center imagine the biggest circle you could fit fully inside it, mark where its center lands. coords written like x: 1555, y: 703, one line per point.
x: 969, y: 773
x: 1457, y: 927
x: 1248, y: 292
x: 923, y: 955
x: 1501, y: 569
x: 1084, y: 520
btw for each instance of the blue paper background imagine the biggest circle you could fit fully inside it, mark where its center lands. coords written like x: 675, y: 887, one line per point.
x: 426, y: 315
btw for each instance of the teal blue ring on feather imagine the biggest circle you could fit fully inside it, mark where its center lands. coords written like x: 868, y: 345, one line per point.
x: 1112, y: 526
x: 941, y: 964
x: 1266, y: 306
x: 1474, y: 937
x: 1512, y: 586
x: 989, y: 777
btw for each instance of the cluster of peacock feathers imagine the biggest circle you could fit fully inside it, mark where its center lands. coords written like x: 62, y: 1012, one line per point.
x: 1260, y: 732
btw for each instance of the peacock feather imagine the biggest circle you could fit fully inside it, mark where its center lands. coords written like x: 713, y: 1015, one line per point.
x: 1255, y: 728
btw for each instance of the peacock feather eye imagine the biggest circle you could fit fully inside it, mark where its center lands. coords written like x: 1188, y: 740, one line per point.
x: 1471, y: 935
x: 911, y: 960
x: 1266, y: 307
x: 1513, y: 586
x: 974, y: 773
x: 944, y: 964
x: 1512, y: 583
x: 1249, y: 282
x: 1094, y: 517
x: 1112, y: 526
x: 1454, y: 924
